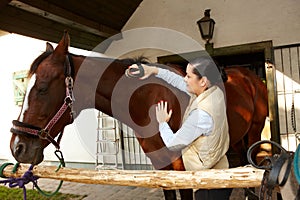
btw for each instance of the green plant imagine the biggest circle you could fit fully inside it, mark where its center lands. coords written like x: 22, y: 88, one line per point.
x: 16, y: 194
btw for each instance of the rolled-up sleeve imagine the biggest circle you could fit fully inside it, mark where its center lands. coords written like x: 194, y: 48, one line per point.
x: 172, y: 78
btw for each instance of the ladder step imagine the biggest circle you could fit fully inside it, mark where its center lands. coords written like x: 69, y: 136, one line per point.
x: 107, y: 153
x: 105, y: 116
x: 107, y: 141
x: 106, y: 167
x: 107, y: 128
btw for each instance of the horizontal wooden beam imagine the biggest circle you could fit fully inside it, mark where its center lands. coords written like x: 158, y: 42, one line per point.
x: 241, y: 177
x: 22, y: 22
x: 3, y: 3
x: 58, y: 14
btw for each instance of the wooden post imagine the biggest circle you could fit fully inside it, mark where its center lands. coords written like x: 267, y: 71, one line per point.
x: 273, y: 102
x: 241, y: 177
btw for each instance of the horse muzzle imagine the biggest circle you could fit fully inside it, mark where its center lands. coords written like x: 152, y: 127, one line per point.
x: 26, y: 151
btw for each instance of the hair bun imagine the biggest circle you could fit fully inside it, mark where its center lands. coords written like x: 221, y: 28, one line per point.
x: 205, y: 66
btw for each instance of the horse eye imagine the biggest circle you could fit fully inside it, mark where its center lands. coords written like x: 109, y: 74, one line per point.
x: 42, y: 90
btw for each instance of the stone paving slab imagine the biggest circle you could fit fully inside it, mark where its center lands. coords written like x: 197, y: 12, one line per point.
x: 112, y: 192
x: 105, y: 192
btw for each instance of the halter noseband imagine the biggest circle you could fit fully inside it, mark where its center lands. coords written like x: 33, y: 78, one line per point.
x: 30, y: 130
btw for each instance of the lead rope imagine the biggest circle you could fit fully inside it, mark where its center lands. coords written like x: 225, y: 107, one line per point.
x: 29, y: 177
x: 21, y: 182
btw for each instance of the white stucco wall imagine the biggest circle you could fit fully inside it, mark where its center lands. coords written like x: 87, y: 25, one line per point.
x: 237, y: 21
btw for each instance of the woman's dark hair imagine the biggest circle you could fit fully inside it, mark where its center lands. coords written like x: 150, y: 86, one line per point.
x: 205, y: 66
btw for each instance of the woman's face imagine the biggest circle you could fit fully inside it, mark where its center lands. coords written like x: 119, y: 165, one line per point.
x: 193, y: 83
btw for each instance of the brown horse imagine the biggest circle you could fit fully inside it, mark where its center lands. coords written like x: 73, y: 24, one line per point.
x: 100, y: 83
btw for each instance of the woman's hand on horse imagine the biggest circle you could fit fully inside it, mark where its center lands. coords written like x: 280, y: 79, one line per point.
x: 162, y: 114
x: 148, y: 70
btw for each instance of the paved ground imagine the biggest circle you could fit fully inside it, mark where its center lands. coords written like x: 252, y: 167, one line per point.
x: 108, y: 192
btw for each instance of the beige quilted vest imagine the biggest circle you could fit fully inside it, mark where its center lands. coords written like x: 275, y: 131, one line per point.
x: 209, y: 151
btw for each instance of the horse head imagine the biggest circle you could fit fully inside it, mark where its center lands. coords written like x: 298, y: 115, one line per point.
x: 46, y: 106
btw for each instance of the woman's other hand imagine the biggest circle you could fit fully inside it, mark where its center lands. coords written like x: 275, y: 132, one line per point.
x: 162, y: 114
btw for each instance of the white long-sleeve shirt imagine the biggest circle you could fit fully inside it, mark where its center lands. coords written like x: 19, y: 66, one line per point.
x: 197, y: 123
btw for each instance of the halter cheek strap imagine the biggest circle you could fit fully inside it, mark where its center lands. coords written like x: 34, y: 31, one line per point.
x: 22, y: 128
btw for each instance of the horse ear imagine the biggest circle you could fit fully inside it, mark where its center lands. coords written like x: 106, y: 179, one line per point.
x: 49, y: 47
x: 63, y: 46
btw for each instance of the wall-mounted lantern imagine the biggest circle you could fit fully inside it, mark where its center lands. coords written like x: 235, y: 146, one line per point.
x: 206, y: 26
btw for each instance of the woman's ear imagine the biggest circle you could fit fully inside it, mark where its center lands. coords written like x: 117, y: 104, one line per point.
x: 203, y: 81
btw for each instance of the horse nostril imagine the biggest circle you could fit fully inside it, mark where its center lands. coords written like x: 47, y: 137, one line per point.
x: 19, y: 149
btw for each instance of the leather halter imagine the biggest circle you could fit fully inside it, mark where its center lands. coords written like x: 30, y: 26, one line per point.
x: 43, y: 133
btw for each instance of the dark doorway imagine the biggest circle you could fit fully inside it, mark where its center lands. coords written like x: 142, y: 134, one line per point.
x: 253, y: 61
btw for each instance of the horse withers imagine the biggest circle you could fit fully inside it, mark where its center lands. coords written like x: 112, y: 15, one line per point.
x: 100, y: 83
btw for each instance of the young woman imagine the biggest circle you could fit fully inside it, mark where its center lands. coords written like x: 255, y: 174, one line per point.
x: 203, y: 137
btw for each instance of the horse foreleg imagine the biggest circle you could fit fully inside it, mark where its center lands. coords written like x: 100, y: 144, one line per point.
x: 252, y: 135
x: 186, y: 194
x: 170, y: 194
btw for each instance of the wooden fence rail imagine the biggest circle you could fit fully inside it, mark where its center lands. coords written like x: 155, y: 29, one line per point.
x: 241, y: 177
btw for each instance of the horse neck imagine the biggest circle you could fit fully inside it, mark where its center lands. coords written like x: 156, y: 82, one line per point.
x: 94, y: 82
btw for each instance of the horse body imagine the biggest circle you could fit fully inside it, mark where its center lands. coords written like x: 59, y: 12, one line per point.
x: 131, y: 101
x: 247, y: 108
x: 100, y: 83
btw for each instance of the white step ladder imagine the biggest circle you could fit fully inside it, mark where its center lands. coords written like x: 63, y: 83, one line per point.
x: 107, y: 143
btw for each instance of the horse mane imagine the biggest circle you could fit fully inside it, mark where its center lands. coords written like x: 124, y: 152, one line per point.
x: 127, y: 61
x: 40, y: 58
x: 135, y: 60
x: 145, y: 60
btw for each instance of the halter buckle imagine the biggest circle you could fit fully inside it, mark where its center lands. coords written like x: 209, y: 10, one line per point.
x: 69, y: 82
x: 69, y: 100
x: 43, y: 134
